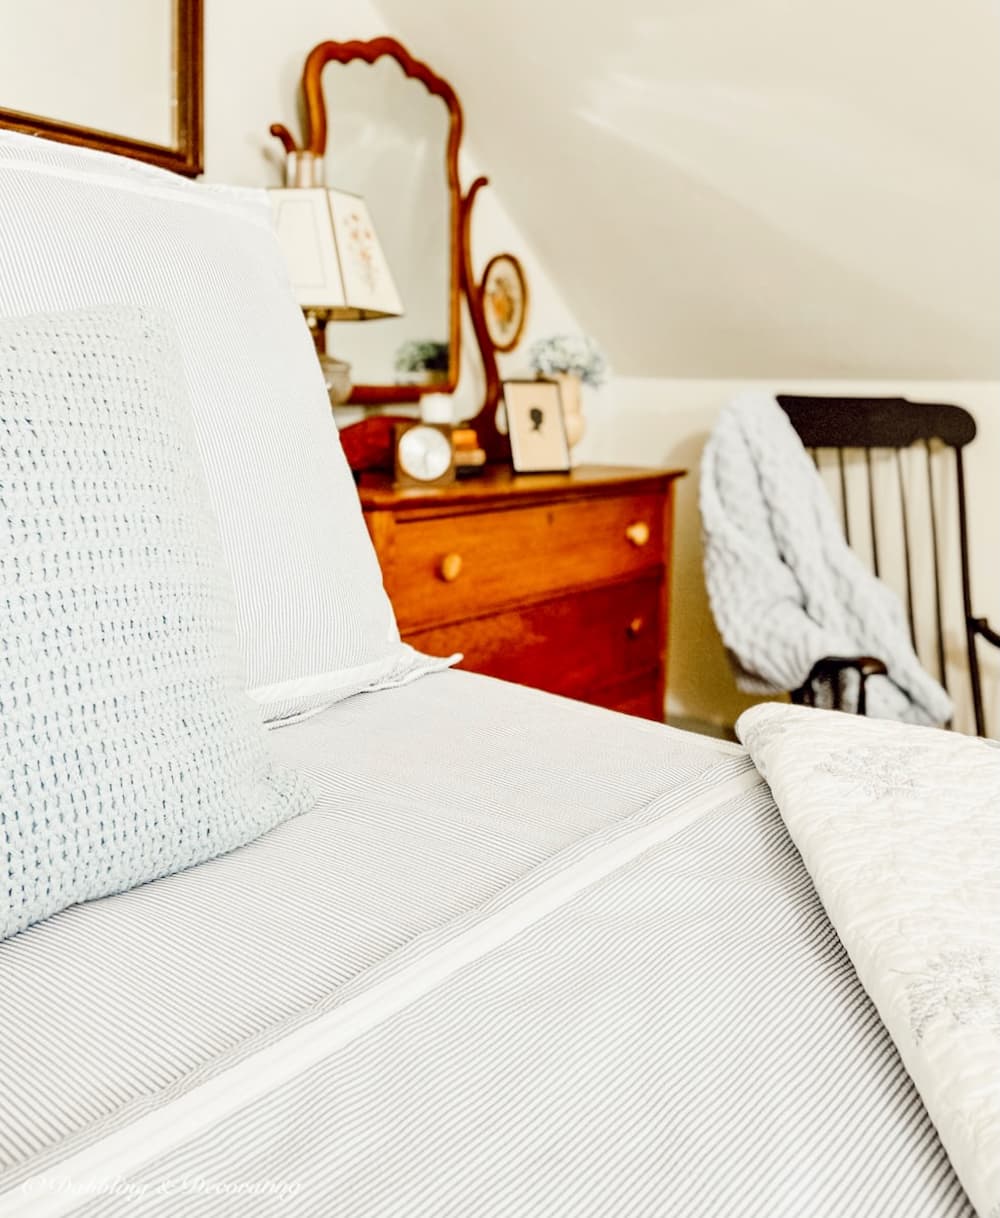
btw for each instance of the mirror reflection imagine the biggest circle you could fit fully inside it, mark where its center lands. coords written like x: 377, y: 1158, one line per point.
x: 387, y: 142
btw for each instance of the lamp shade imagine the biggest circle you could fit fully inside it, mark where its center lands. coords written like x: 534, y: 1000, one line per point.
x: 337, y: 264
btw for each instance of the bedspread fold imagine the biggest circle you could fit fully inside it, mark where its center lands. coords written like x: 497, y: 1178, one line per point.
x: 899, y: 828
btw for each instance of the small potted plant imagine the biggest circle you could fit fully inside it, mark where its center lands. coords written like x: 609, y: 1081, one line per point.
x: 424, y: 360
x: 573, y: 360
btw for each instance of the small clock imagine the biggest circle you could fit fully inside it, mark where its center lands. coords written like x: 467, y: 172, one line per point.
x: 424, y: 455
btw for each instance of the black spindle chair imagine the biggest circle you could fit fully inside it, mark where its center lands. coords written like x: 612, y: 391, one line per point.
x: 894, y: 425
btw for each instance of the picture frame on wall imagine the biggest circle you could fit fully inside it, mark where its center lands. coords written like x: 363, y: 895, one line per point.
x: 84, y: 86
x: 504, y: 291
x: 536, y: 428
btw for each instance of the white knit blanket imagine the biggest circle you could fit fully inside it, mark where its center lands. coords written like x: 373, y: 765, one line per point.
x: 784, y: 586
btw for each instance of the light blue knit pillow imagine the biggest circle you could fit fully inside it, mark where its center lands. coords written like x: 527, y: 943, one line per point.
x: 129, y: 749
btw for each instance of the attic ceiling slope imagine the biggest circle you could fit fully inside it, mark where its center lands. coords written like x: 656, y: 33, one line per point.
x: 759, y: 189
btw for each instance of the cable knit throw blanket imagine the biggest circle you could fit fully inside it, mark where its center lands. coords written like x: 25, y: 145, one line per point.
x: 785, y: 589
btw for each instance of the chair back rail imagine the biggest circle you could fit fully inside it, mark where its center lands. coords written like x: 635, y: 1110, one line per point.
x: 892, y: 425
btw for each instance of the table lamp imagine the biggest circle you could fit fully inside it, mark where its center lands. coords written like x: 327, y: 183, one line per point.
x: 337, y: 265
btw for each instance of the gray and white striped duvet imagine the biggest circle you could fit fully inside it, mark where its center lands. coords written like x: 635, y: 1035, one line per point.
x: 533, y: 960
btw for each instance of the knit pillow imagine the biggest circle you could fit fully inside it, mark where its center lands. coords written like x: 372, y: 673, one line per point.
x: 80, y: 228
x: 129, y: 749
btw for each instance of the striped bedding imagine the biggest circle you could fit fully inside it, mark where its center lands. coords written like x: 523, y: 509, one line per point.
x: 524, y: 958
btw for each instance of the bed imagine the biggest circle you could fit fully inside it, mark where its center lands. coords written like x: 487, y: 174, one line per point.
x: 598, y: 982
x: 521, y: 955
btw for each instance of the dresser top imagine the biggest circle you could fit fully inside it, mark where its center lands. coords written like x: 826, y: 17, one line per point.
x: 499, y: 482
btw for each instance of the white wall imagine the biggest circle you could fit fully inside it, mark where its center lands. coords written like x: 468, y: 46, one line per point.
x: 254, y: 52
x: 753, y: 189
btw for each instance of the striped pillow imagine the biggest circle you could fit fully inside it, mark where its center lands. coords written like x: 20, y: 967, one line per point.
x: 79, y: 228
x: 129, y: 747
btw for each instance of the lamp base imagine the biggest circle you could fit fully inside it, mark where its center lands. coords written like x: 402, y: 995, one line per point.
x: 336, y: 372
x: 337, y: 375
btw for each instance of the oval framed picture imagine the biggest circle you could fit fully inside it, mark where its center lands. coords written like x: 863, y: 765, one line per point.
x: 505, y: 301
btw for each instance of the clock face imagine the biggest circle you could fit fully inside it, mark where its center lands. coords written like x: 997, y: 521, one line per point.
x: 424, y: 453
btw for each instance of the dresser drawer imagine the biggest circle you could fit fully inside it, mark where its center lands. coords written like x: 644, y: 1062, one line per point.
x: 570, y: 645
x: 641, y: 696
x: 447, y: 568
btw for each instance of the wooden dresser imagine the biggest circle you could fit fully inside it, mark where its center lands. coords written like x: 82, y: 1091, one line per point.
x: 560, y: 581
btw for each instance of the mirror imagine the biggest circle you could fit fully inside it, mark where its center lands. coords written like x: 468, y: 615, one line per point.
x: 395, y: 130
x: 389, y: 129
x: 140, y: 92
x: 387, y: 141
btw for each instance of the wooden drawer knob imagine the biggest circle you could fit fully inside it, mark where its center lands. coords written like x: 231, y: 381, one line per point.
x: 638, y: 533
x: 636, y: 627
x: 450, y: 568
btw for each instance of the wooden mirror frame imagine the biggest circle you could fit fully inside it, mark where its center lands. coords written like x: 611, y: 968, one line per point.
x: 463, y: 281
x: 186, y: 156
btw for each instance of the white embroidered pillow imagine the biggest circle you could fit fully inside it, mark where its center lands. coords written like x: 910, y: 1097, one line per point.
x: 129, y: 747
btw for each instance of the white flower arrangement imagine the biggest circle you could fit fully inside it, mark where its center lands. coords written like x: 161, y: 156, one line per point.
x: 575, y: 354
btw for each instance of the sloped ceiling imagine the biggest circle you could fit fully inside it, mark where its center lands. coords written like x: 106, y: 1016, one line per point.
x: 746, y: 188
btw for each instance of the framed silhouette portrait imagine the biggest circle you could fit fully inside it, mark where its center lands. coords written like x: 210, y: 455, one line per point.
x: 536, y: 427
